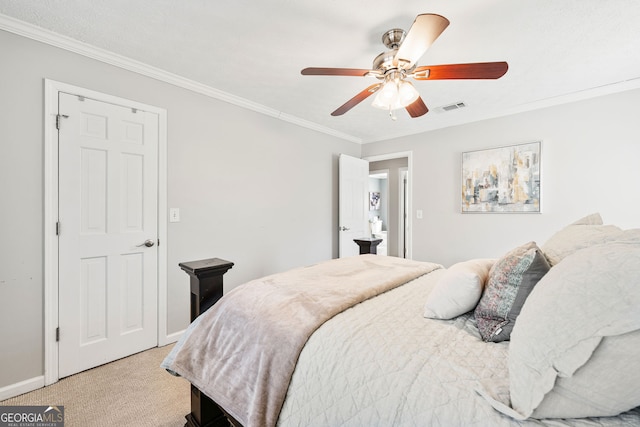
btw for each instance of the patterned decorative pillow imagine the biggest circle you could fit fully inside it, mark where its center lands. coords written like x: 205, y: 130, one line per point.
x: 511, y: 280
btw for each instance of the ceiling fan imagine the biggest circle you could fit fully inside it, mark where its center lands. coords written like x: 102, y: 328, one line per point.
x: 393, y: 67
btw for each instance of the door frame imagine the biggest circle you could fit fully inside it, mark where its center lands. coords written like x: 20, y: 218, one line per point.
x: 403, y: 210
x: 409, y: 156
x: 51, y: 89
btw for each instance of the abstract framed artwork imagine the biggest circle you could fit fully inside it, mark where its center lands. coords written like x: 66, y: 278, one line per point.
x: 502, y: 180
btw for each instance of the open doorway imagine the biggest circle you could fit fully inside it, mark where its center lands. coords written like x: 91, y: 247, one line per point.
x: 391, y: 173
x: 379, y: 207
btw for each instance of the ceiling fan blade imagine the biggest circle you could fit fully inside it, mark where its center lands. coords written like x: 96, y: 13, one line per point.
x: 477, y: 70
x: 423, y: 32
x: 417, y: 108
x: 316, y: 71
x: 356, y: 99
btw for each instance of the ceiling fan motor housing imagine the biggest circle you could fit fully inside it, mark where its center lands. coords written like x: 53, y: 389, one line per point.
x: 393, y: 38
x: 384, y: 61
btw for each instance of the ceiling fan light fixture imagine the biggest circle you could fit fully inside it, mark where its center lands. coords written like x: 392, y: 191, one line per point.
x: 395, y: 94
x: 407, y: 93
x: 386, y: 100
x: 387, y: 94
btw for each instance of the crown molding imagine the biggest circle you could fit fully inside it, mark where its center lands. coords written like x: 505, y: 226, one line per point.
x: 33, y: 32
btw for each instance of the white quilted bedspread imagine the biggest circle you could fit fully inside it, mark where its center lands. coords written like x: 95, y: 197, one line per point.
x: 381, y: 363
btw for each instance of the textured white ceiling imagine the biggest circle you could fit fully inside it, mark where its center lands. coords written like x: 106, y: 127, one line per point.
x: 254, y: 50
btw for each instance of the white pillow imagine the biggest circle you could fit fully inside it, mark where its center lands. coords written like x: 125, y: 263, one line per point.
x: 583, y: 233
x: 458, y: 290
x: 575, y: 350
x: 593, y: 219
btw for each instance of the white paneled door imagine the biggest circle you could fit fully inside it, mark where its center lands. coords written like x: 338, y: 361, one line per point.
x: 353, y: 203
x: 108, y: 215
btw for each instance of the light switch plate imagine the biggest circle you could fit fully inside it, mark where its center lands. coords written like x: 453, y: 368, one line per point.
x: 419, y: 214
x: 174, y: 215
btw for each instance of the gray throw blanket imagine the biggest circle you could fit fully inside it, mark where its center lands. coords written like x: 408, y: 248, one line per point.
x: 242, y: 352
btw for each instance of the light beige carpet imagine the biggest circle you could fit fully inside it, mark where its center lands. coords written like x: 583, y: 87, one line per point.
x: 134, y: 391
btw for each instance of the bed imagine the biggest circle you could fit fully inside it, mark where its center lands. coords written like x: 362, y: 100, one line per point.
x: 382, y: 341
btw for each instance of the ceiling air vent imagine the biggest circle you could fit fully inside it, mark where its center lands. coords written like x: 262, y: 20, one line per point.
x: 455, y: 106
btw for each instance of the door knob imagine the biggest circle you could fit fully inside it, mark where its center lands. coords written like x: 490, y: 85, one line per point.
x: 343, y: 228
x: 148, y: 243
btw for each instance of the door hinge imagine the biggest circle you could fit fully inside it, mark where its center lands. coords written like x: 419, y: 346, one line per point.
x: 57, y: 228
x: 58, y: 334
x: 158, y: 242
x: 58, y: 117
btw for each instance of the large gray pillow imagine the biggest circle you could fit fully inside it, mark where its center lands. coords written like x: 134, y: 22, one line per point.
x: 510, y: 281
x: 575, y: 351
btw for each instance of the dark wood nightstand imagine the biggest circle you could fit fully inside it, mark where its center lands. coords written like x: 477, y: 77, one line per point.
x: 368, y: 245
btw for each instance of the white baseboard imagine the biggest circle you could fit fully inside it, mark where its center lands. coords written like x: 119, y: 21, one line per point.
x: 35, y: 383
x: 21, y: 387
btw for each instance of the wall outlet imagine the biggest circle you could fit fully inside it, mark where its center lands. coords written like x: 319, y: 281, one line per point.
x: 419, y: 214
x: 174, y: 215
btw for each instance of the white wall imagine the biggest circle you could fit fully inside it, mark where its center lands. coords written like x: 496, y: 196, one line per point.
x: 590, y: 156
x: 263, y: 193
x: 251, y: 189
